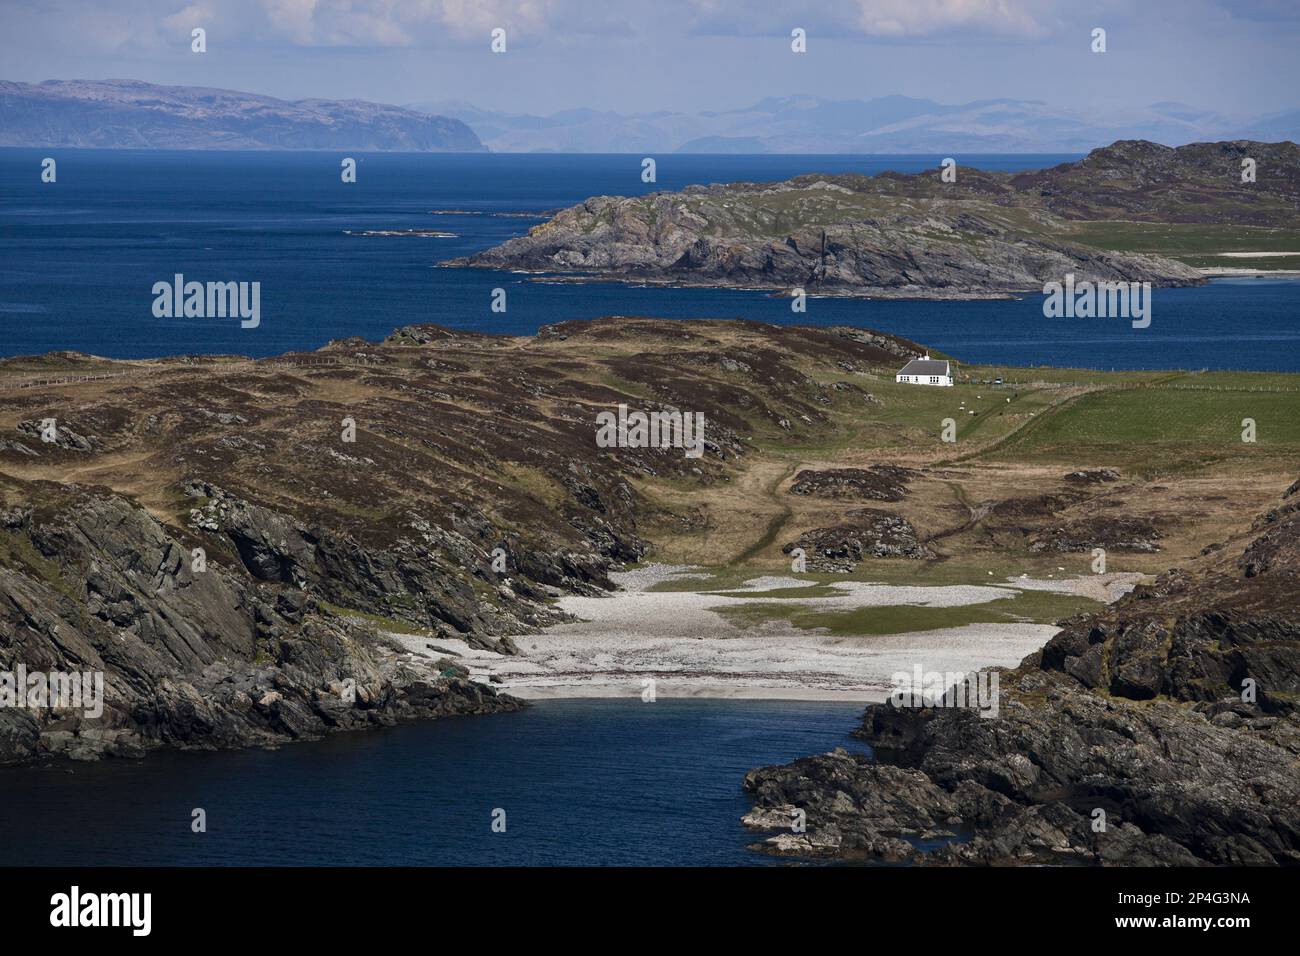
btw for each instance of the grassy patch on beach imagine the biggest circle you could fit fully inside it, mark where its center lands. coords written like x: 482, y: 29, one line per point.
x: 1018, y: 607
x: 729, y: 579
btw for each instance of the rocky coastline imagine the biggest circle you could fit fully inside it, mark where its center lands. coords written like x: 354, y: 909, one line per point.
x: 977, y: 235
x: 1161, y: 731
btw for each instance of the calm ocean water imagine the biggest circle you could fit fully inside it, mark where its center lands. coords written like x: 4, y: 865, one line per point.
x: 78, y: 259
x: 582, y: 782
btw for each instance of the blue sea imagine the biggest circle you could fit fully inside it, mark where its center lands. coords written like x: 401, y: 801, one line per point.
x: 581, y: 782
x: 79, y: 257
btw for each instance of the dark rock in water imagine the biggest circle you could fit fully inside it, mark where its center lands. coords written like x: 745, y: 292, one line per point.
x: 866, y: 533
x: 1163, y: 730
x: 862, y: 808
x: 879, y: 482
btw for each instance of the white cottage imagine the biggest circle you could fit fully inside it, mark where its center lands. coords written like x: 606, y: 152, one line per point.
x: 925, y: 371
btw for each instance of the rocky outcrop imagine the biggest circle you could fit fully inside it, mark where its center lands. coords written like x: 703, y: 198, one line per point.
x: 878, y: 483
x: 697, y: 238
x: 1093, y: 476
x: 1123, y: 533
x: 1162, y: 731
x: 191, y: 654
x: 865, y: 533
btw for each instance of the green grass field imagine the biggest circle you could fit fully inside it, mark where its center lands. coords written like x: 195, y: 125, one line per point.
x: 1161, y: 427
x: 1145, y: 419
x: 1190, y: 241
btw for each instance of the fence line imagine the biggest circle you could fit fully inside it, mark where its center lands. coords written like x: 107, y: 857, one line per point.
x: 309, y: 363
x: 69, y: 379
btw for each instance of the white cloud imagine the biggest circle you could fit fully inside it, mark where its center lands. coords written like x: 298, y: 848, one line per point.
x: 909, y: 18
x: 883, y: 19
x: 382, y: 23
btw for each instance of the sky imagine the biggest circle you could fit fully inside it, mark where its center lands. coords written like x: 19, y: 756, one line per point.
x: 1237, y: 57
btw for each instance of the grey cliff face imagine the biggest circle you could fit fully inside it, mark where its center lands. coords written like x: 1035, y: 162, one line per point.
x: 205, y: 660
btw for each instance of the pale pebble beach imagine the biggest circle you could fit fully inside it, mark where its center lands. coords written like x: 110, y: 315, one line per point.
x: 677, y: 639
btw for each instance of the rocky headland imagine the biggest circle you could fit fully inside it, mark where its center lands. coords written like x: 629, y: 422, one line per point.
x: 985, y: 234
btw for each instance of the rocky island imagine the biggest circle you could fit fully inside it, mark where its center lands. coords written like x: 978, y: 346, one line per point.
x: 1131, y: 212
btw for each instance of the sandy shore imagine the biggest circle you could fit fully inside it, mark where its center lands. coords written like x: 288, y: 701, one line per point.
x: 677, y: 640
x: 1238, y: 272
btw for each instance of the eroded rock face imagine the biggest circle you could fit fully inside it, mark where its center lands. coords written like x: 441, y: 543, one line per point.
x: 1278, y: 546
x: 206, y: 659
x: 421, y: 578
x: 61, y: 436
x: 1162, y: 731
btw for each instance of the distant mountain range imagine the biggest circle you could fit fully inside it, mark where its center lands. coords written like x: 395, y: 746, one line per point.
x: 130, y: 114
x: 887, y: 124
